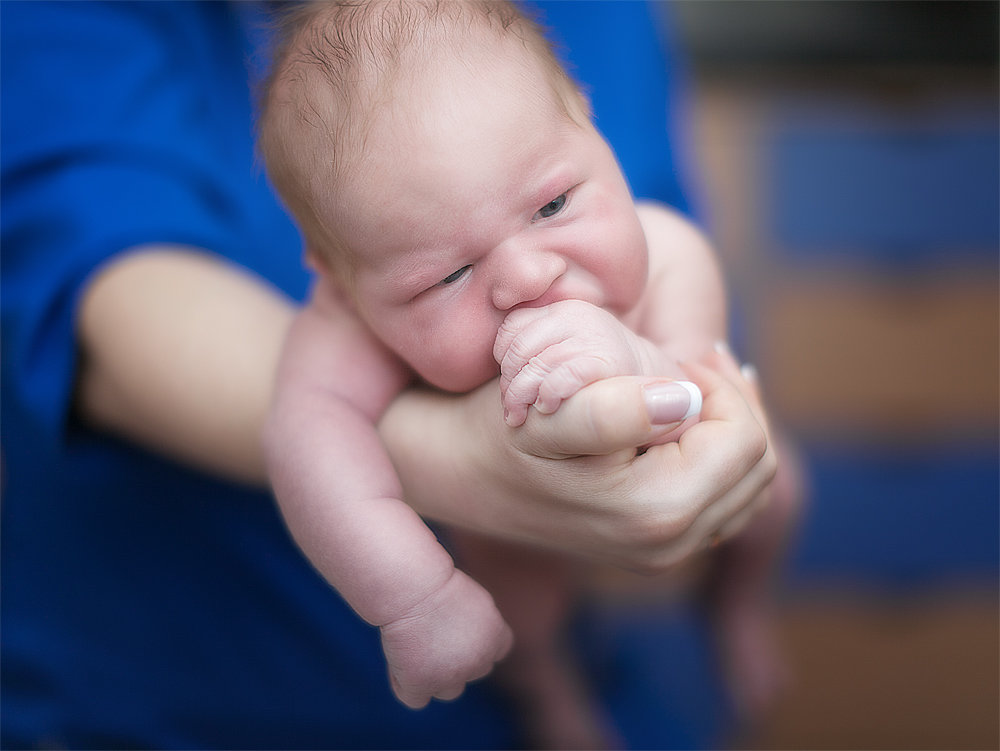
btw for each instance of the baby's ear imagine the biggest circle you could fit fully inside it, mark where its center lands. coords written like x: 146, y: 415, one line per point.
x: 586, y: 106
x: 334, y: 281
x: 316, y: 262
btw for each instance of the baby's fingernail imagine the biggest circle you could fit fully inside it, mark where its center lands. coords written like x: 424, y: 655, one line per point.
x: 672, y: 402
x: 722, y: 348
x: 749, y: 373
x: 514, y: 420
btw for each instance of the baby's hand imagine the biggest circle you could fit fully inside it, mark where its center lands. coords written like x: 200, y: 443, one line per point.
x: 451, y: 638
x: 547, y: 354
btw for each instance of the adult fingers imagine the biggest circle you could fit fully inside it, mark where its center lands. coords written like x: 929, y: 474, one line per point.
x: 742, y: 377
x: 608, y: 416
x: 708, y: 479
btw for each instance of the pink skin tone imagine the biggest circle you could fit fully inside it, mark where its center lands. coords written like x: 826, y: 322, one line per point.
x: 503, y: 213
x: 493, y: 236
x: 547, y: 354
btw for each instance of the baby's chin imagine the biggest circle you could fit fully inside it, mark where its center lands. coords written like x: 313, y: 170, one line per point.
x: 461, y: 378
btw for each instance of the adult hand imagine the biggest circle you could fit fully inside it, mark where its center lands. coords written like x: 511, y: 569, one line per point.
x: 568, y: 481
x: 574, y: 480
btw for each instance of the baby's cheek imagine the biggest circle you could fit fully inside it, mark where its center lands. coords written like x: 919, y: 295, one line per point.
x: 458, y: 369
x: 632, y: 277
x: 453, y: 348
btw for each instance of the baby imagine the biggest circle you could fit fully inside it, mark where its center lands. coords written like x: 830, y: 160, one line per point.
x: 465, y: 220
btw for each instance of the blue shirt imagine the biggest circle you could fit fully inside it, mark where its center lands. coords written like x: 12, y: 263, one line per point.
x: 146, y: 604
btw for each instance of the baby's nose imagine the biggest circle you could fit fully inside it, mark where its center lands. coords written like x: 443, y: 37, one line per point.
x: 524, y: 275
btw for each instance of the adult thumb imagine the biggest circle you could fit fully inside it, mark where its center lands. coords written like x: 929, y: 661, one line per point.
x: 610, y: 415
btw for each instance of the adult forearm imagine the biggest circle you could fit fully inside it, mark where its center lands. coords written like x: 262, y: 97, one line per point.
x: 572, y: 482
x: 426, y: 433
x: 178, y: 354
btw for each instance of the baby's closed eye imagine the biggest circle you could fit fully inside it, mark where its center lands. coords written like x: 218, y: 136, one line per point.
x: 454, y: 276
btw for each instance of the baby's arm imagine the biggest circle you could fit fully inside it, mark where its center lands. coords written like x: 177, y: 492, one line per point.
x: 341, y: 499
x: 683, y: 309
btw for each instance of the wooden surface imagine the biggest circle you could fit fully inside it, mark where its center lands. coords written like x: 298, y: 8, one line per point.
x: 888, y: 674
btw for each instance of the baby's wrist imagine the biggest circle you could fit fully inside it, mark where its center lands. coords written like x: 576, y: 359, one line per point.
x: 423, y: 602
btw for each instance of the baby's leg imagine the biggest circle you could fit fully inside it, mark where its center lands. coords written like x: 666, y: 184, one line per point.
x: 740, y: 596
x: 535, y: 592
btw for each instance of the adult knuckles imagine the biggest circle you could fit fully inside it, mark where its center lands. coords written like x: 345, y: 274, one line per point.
x: 769, y: 463
x: 759, y: 451
x: 758, y: 447
x: 650, y: 532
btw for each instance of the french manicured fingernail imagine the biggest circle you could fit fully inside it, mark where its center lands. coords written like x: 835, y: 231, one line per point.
x: 672, y: 402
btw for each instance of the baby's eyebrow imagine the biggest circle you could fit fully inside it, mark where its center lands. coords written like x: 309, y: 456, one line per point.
x: 553, y: 184
x: 407, y: 287
x: 403, y: 274
x: 410, y: 278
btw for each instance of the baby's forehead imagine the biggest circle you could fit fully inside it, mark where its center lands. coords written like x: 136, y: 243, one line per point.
x: 432, y: 106
x: 414, y: 91
x: 381, y: 108
x: 457, y: 183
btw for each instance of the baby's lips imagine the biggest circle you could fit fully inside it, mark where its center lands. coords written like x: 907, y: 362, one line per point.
x: 672, y: 401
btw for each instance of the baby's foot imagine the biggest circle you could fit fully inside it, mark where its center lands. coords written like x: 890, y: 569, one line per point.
x: 741, y: 601
x: 752, y: 660
x: 555, y: 705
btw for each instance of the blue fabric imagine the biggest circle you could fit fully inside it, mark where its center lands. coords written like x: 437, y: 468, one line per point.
x: 145, y: 604
x: 916, y: 191
x: 620, y: 54
x: 930, y: 516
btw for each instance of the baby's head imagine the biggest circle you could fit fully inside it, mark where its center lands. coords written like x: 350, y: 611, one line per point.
x: 444, y: 170
x: 352, y: 77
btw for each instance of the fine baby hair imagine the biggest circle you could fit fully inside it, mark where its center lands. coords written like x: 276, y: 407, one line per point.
x: 339, y: 66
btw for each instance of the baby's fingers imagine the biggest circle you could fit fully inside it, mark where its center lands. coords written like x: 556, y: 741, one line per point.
x: 545, y: 381
x: 418, y: 698
x: 511, y: 349
x: 743, y: 377
x: 447, y: 684
x: 411, y: 698
x: 522, y: 391
x: 549, y: 377
x: 450, y: 694
x: 568, y: 378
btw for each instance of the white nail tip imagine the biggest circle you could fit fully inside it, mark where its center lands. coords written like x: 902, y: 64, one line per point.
x: 696, y: 399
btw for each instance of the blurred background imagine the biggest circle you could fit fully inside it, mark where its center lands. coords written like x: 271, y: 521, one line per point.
x: 849, y: 154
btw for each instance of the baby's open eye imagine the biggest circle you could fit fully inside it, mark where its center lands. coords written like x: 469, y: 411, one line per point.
x: 552, y: 208
x: 454, y: 276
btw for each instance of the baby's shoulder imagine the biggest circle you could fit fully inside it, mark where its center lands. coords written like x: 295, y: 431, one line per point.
x: 332, y: 325
x: 663, y: 224
x: 667, y: 231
